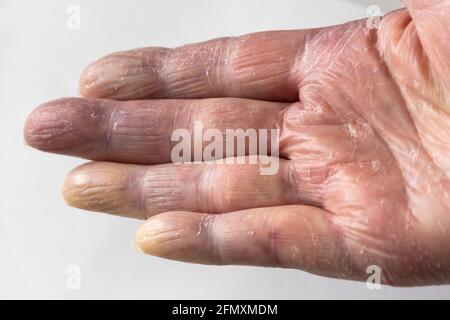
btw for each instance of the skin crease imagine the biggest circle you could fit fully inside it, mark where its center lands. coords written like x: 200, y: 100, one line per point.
x: 364, y: 116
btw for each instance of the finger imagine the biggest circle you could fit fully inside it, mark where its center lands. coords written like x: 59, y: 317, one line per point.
x: 290, y: 236
x: 142, y: 191
x: 258, y: 66
x: 141, y: 131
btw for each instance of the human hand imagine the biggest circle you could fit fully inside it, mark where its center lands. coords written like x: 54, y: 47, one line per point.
x: 364, y: 151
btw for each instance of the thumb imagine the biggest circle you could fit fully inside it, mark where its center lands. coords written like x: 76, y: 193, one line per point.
x: 431, y: 19
x: 415, y: 44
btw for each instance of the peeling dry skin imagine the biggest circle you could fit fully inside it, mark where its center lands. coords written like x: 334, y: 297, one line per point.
x: 138, y: 131
x: 142, y: 191
x: 364, y: 174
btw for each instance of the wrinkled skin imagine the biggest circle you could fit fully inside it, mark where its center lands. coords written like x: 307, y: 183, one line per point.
x: 364, y: 175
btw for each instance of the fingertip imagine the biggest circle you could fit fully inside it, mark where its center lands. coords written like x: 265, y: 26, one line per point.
x: 170, y: 235
x: 38, y: 126
x: 126, y: 75
x: 154, y: 237
x: 96, y: 186
x: 95, y: 80
x: 66, y: 125
x: 147, y: 236
x: 114, y: 76
x: 105, y: 187
x: 85, y: 81
x: 75, y: 183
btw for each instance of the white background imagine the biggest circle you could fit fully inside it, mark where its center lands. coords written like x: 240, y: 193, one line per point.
x: 40, y: 237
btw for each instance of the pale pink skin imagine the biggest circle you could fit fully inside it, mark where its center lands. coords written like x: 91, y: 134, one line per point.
x: 365, y: 145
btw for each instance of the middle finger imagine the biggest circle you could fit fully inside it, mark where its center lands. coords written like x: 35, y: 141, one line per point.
x: 141, y: 131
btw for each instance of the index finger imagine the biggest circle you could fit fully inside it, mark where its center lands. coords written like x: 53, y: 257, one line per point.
x: 257, y: 66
